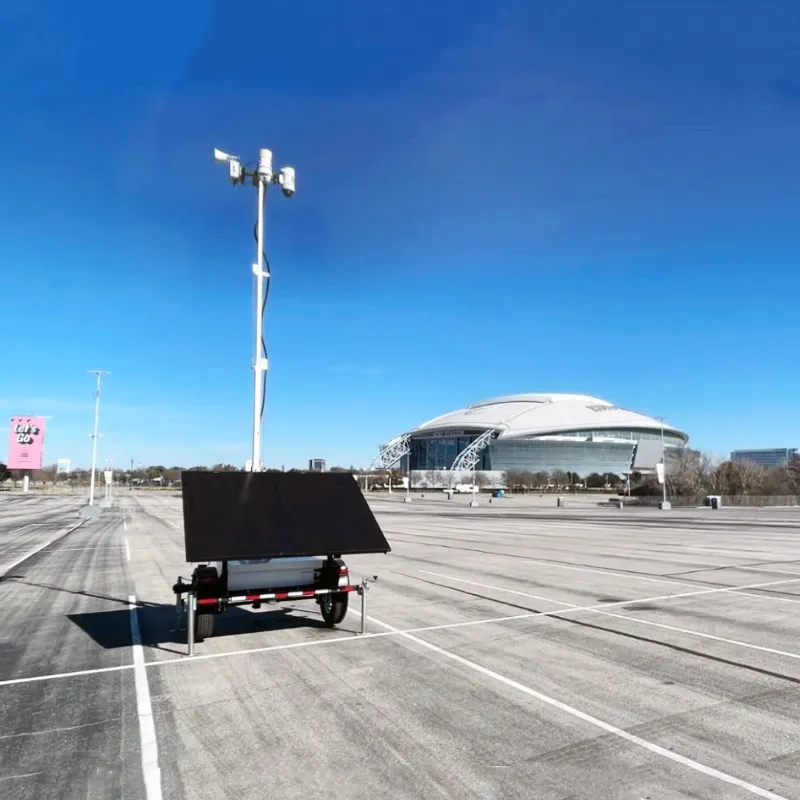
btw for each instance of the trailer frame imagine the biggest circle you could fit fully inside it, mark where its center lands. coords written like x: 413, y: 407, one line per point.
x: 198, y: 601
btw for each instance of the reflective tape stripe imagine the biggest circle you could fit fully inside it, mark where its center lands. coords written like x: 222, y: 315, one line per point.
x: 251, y: 598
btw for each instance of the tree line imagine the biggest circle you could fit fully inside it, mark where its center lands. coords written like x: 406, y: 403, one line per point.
x: 153, y: 474
x: 690, y: 474
x: 694, y: 475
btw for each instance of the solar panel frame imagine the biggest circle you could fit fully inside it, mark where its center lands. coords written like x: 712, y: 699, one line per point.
x: 243, y: 515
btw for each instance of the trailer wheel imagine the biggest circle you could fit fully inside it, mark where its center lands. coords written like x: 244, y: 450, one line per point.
x: 204, y: 626
x: 334, y: 607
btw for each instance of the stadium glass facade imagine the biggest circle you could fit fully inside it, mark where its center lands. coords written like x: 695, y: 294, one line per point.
x: 582, y: 451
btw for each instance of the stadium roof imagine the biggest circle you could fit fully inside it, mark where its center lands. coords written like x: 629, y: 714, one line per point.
x: 520, y: 415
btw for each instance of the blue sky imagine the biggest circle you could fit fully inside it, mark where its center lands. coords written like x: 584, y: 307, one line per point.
x: 492, y: 198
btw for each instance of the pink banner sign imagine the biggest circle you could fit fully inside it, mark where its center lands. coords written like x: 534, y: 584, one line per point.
x: 26, y: 443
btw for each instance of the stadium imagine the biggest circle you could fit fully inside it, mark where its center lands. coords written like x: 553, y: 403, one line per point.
x: 533, y: 432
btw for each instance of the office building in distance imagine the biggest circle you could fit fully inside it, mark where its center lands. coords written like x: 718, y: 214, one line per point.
x: 767, y: 457
x: 537, y: 433
x: 316, y: 465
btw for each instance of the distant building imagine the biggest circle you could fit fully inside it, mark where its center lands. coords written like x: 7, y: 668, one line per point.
x: 768, y: 457
x: 316, y: 465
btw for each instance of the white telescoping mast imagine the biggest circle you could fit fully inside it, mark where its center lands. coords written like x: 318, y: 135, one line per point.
x: 99, y: 373
x: 261, y: 177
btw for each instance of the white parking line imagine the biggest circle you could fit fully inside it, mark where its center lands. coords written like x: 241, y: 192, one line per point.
x: 695, y: 593
x: 18, y: 777
x: 767, y: 569
x: 353, y: 638
x: 95, y: 549
x: 9, y: 567
x: 22, y: 528
x: 291, y: 646
x: 569, y: 608
x: 57, y: 675
x: 773, y: 599
x: 598, y: 571
x: 127, y: 549
x: 701, y: 635
x: 604, y: 571
x: 582, y: 715
x: 147, y: 728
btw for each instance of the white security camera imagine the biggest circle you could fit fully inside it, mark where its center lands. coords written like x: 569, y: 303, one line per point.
x: 286, y: 178
x: 264, y: 170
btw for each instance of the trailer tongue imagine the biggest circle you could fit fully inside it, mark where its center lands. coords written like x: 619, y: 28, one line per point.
x: 272, y: 537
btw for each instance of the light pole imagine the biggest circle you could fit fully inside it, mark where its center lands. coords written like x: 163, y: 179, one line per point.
x: 474, y: 502
x: 99, y: 373
x: 261, y: 178
x: 664, y: 503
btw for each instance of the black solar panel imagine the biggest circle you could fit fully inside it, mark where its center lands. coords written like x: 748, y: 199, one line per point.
x: 235, y: 515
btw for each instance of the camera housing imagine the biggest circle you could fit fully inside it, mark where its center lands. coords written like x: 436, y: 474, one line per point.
x: 288, y: 181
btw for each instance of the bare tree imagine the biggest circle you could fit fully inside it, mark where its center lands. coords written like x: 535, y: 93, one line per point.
x: 482, y: 480
x: 559, y: 477
x: 689, y: 474
x: 718, y: 478
x: 793, y: 474
x: 46, y: 474
x: 375, y: 480
x: 396, y: 476
x: 594, y: 481
x: 740, y: 477
x: 777, y: 480
x: 516, y: 479
x: 750, y: 476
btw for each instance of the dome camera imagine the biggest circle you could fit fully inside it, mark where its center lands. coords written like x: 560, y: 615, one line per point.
x: 286, y: 179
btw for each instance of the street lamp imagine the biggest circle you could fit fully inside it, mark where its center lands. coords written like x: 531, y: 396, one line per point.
x: 99, y: 373
x: 261, y: 178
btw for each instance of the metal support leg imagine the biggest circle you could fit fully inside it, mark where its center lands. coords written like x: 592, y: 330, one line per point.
x: 363, y: 593
x: 191, y: 600
x: 178, y: 612
x: 362, y: 590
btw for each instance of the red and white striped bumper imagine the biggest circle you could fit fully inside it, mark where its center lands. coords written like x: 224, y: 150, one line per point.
x: 252, y: 598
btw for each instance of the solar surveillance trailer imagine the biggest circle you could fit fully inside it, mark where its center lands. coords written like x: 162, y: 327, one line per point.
x: 259, y: 537
x: 269, y: 537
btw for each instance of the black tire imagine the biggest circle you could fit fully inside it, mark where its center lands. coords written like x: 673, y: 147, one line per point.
x: 334, y: 607
x: 203, y: 626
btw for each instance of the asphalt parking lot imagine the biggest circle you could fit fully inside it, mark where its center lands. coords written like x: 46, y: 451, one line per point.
x: 513, y: 651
